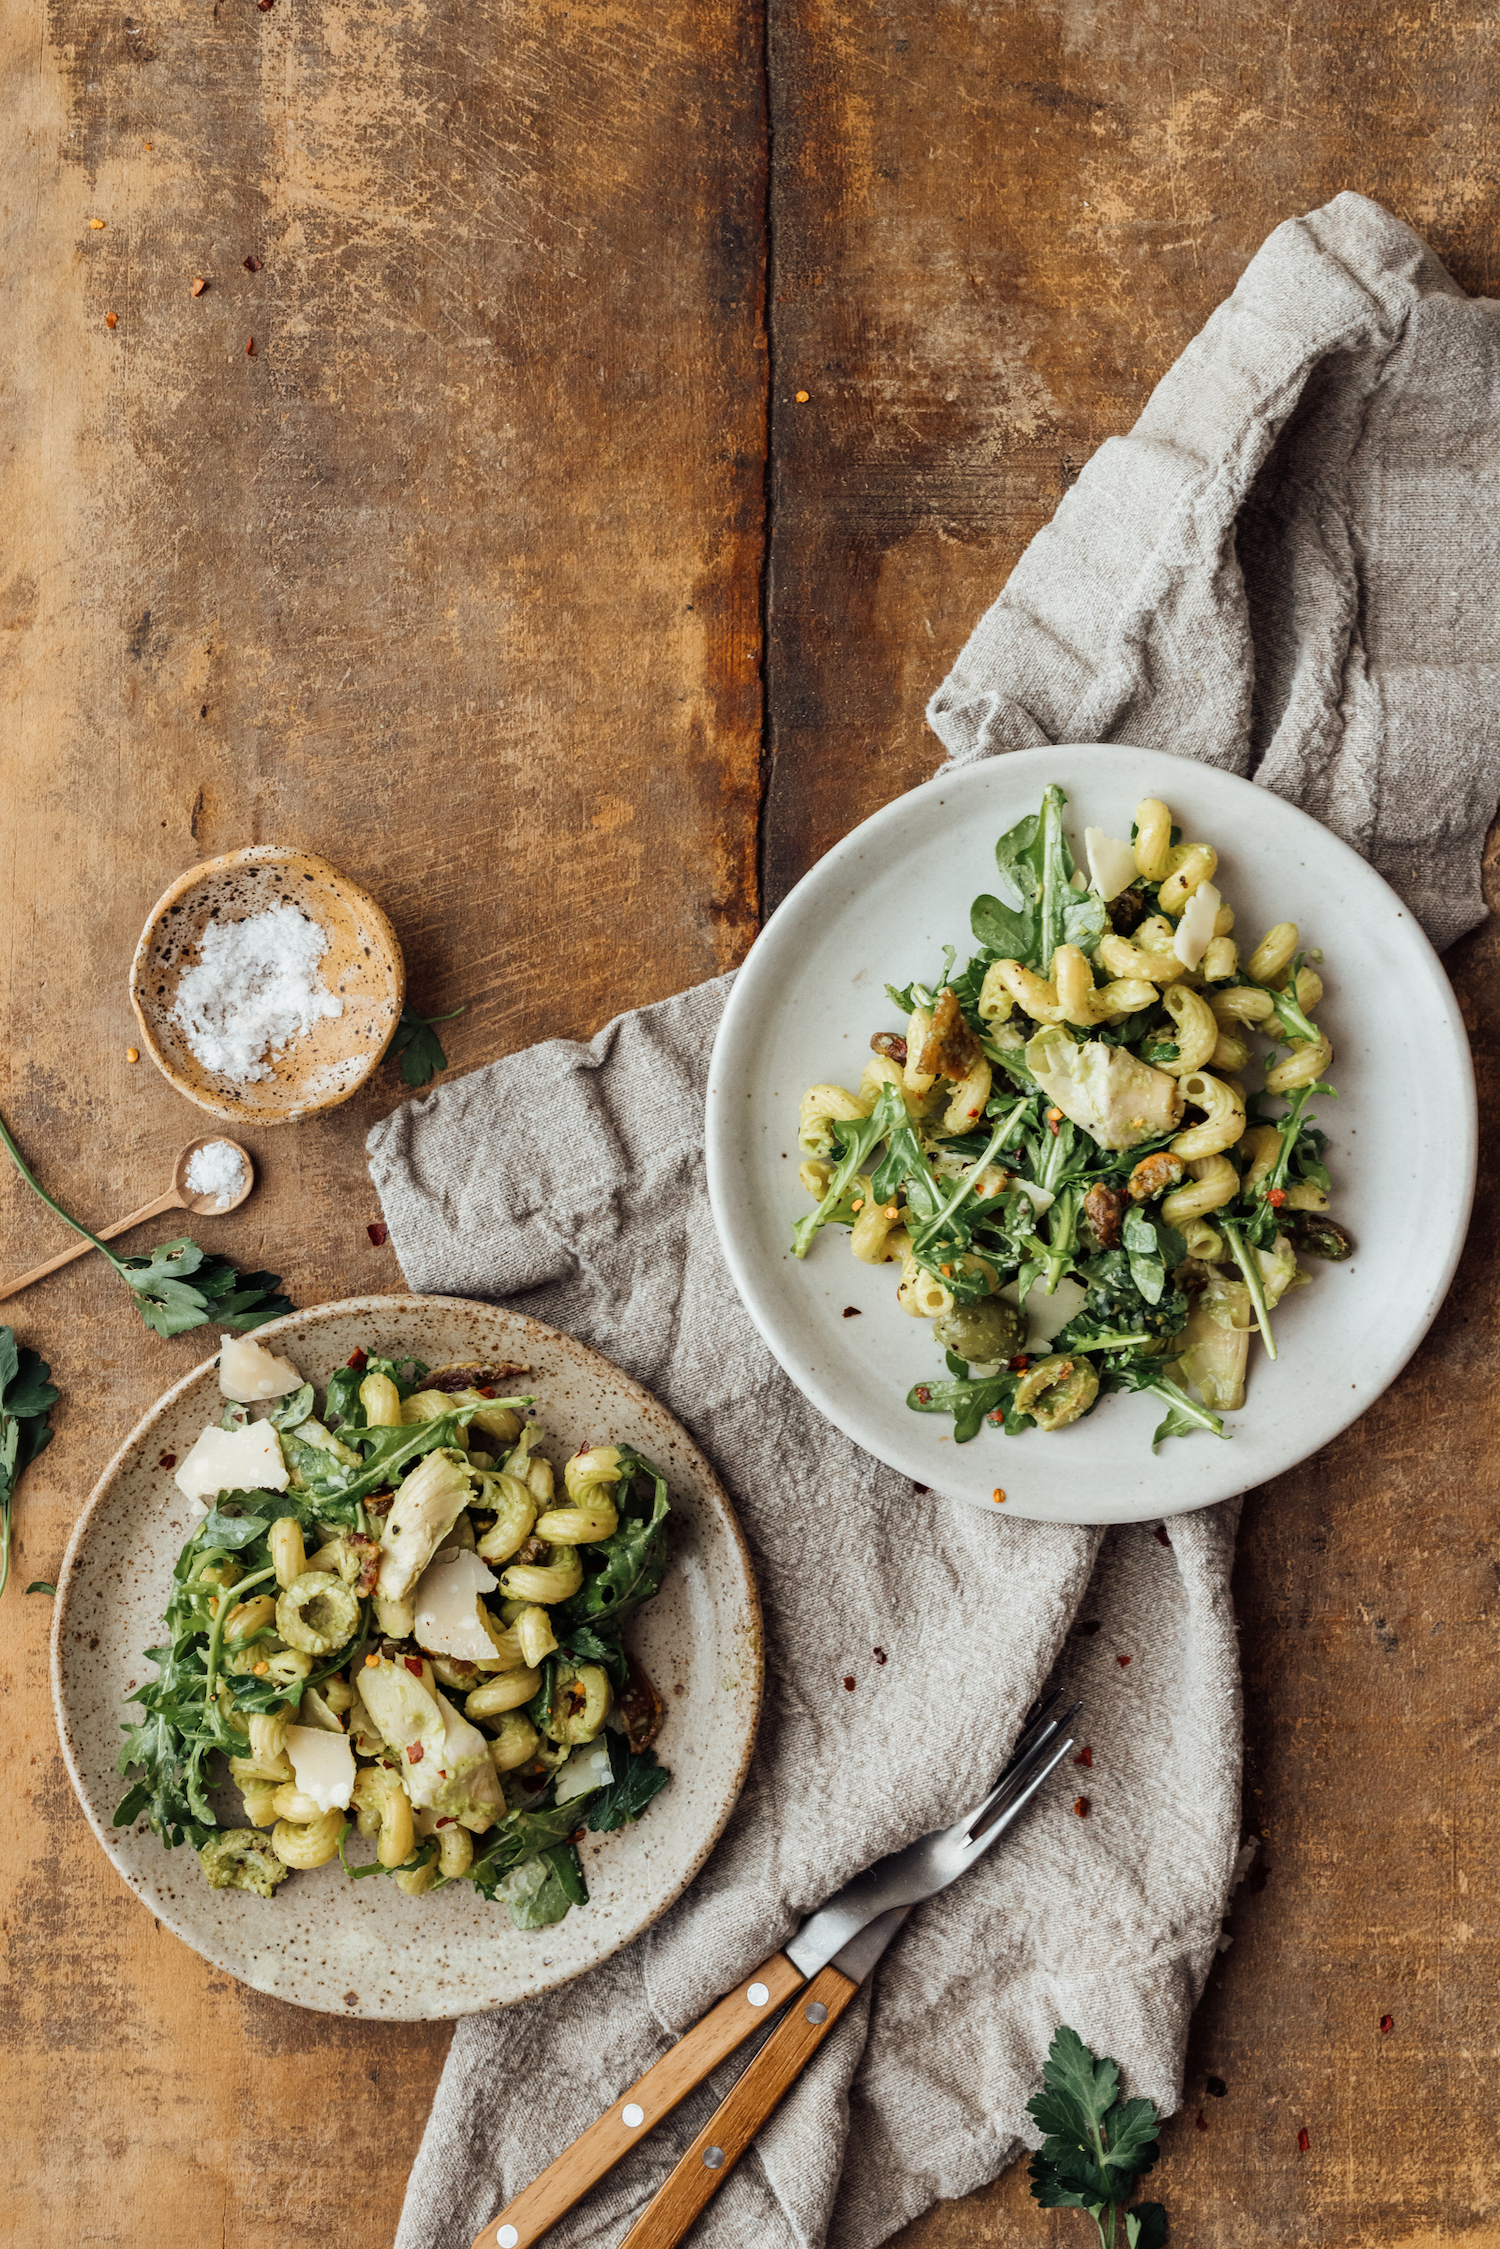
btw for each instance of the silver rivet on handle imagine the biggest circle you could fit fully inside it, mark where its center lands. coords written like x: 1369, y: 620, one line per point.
x: 713, y: 2157
x: 817, y: 2012
x: 758, y: 1994
x: 507, y: 2237
x: 632, y: 2115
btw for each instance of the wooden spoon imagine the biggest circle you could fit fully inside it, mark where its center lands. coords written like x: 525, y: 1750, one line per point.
x: 177, y: 1197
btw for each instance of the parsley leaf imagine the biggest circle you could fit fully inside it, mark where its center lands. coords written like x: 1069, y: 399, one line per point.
x: 26, y: 1399
x: 416, y: 1045
x: 1096, y: 2144
x: 166, y: 1299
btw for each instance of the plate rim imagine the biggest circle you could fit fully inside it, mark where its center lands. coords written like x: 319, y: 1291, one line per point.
x: 720, y: 1147
x: 376, y: 1306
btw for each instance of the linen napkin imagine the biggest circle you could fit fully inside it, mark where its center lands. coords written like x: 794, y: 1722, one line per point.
x: 1286, y: 569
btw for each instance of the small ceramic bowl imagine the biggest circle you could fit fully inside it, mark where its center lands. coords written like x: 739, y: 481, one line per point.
x: 362, y: 967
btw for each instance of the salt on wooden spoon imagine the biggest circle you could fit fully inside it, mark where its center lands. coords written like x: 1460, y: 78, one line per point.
x: 204, y: 1181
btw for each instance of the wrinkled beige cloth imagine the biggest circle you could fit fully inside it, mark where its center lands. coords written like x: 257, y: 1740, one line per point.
x: 1314, y: 607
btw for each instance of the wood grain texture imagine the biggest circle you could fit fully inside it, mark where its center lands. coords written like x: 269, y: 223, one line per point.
x: 457, y: 580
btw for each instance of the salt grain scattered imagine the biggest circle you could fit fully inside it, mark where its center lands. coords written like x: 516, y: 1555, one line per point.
x: 255, y: 987
x: 216, y: 1169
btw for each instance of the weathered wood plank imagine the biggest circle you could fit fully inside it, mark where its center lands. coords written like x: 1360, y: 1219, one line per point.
x: 454, y: 578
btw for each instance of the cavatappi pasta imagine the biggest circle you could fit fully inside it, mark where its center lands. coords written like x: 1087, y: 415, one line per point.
x: 1068, y: 1117
x: 404, y: 1632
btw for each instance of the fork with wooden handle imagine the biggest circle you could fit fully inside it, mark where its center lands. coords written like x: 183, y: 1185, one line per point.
x: 822, y: 1968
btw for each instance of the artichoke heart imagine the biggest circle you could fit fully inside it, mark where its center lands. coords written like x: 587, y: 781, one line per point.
x: 1117, y: 1099
x: 427, y: 1506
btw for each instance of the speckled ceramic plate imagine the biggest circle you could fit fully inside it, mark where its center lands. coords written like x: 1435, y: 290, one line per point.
x: 880, y: 908
x: 362, y: 1948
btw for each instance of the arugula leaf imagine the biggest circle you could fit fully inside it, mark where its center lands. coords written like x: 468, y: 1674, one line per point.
x: 969, y: 1399
x: 337, y: 1487
x: 585, y: 1644
x: 40, y: 1585
x: 1008, y: 932
x: 626, y: 1568
x: 637, y: 1780
x: 1034, y: 860
x: 1184, y: 1414
x: 416, y: 1045
x: 542, y: 1890
x: 858, y: 1137
x: 27, y: 1397
x: 521, y: 1836
x: 1096, y: 2144
x: 1147, y: 1268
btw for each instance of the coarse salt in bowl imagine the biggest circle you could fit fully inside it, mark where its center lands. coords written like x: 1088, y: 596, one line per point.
x: 267, y: 985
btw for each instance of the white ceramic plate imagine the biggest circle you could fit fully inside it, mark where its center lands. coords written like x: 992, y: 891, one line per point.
x: 362, y: 1948
x: 879, y: 909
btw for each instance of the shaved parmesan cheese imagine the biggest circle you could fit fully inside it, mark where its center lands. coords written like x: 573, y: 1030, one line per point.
x: 586, y: 1769
x: 1197, y: 925
x: 446, y: 1602
x: 324, y: 1766
x: 1111, y: 864
x: 248, y: 1372
x: 1040, y: 1198
x: 232, y: 1460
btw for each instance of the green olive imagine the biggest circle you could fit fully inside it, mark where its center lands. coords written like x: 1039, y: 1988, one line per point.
x: 1321, y: 1237
x: 982, y: 1332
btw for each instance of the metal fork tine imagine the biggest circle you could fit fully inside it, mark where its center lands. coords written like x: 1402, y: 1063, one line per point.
x: 980, y: 1835
x: 1018, y: 1772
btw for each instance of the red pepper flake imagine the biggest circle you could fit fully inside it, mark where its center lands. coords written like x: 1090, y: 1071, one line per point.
x: 111, y: 320
x: 924, y: 1398
x: 1303, y: 2142
x: 1019, y: 1366
x: 1123, y: 1662
x: 998, y: 1496
x: 252, y: 263
x: 1202, y: 2121
x: 413, y: 1665
x: 1081, y: 1807
x: 359, y: 1360
x: 199, y: 284
x: 1276, y: 1197
x: 852, y: 1312
x: 415, y: 1753
x: 250, y: 341
x: 445, y: 1822
x: 488, y: 1390
x: 996, y: 1419
x: 1160, y: 1535
x: 1088, y: 1628
x: 379, y: 1233
x: 167, y: 1460
x: 849, y: 1684
x: 1054, y: 1120
x: 1085, y: 1757
x: 880, y: 1655
x: 1387, y: 2025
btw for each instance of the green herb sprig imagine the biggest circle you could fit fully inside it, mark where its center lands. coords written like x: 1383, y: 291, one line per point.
x: 167, y: 1299
x: 1097, y: 2145
x: 27, y: 1397
x: 417, y: 1047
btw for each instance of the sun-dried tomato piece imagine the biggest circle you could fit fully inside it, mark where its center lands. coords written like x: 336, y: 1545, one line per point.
x: 641, y: 1709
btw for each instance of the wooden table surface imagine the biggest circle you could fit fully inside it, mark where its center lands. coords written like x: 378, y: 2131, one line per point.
x: 508, y: 570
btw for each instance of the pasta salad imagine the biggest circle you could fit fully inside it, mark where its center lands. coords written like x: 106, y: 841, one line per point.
x: 1059, y: 1151
x: 392, y: 1625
